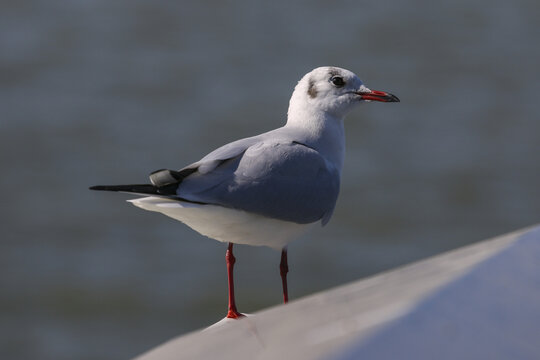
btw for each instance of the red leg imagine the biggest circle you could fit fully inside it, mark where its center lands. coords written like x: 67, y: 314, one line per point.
x: 283, y: 270
x: 232, y: 313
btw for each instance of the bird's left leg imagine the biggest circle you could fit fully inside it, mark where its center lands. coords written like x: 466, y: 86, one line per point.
x: 232, y: 313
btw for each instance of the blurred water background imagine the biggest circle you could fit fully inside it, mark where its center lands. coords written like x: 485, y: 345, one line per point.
x: 108, y: 91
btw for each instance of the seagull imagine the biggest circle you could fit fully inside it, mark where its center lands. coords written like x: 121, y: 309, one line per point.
x: 269, y: 189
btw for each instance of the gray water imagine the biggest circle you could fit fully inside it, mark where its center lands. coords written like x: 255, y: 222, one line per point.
x: 107, y: 91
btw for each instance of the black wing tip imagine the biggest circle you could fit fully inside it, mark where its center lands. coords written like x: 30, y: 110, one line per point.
x: 113, y: 187
x: 146, y: 189
x: 168, y: 192
x: 143, y: 188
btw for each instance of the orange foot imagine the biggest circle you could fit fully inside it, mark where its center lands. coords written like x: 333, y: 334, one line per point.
x: 233, y: 314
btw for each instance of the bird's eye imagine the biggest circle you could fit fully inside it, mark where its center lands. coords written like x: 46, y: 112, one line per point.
x: 337, y: 81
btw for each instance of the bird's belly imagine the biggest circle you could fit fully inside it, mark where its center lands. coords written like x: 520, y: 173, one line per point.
x: 227, y: 225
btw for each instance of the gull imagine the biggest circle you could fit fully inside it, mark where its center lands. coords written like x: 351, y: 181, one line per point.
x: 269, y: 189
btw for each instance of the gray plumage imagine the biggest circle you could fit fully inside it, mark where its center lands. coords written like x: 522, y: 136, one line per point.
x: 266, y: 175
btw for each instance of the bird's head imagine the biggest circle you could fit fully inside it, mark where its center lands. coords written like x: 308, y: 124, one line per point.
x: 334, y: 91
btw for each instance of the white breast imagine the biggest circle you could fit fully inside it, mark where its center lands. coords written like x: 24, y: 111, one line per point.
x: 227, y: 225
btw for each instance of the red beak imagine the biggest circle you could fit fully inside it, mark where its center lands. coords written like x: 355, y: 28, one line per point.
x: 378, y: 96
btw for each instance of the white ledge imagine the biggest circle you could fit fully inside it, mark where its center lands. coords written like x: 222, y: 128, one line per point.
x: 478, y: 302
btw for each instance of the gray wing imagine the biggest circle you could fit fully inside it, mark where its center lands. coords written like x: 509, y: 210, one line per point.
x: 218, y: 156
x: 279, y: 179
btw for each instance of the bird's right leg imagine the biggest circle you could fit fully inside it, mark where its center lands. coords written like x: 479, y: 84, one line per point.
x: 283, y: 270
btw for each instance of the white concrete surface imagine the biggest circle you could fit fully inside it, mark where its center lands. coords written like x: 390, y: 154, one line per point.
x: 478, y: 302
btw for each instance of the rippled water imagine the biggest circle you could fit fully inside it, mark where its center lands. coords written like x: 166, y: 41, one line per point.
x: 94, y: 92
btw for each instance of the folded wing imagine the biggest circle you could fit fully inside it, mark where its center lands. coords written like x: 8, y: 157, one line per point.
x: 279, y: 179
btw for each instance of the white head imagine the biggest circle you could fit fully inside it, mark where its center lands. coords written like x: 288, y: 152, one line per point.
x: 331, y: 91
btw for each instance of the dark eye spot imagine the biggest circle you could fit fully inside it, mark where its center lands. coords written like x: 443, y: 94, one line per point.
x: 337, y: 81
x: 312, y: 90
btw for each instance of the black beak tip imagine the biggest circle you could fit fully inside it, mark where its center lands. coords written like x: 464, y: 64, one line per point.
x: 393, y: 98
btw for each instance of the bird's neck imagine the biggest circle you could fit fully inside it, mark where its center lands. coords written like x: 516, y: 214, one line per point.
x: 320, y: 130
